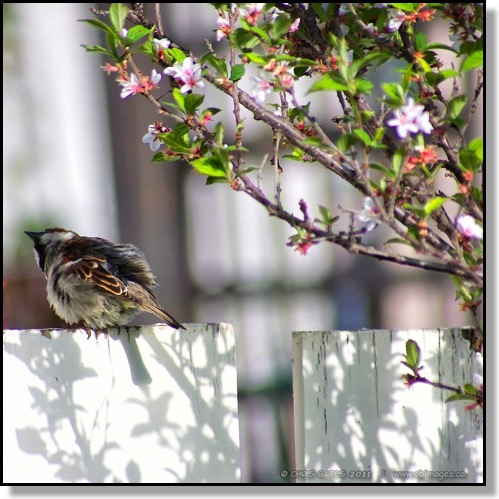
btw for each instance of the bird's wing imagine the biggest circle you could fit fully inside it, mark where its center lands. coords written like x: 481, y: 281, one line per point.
x: 93, y: 269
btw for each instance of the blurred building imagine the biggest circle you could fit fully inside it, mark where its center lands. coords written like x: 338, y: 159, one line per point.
x: 73, y: 157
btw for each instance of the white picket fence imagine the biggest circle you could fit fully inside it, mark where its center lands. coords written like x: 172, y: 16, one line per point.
x: 355, y: 421
x: 157, y: 407
x: 161, y: 406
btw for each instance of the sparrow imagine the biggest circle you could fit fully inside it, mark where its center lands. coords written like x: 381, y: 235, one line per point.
x: 94, y: 283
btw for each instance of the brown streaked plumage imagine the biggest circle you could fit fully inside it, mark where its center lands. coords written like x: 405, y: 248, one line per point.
x: 95, y: 283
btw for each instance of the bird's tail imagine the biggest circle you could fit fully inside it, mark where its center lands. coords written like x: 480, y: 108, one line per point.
x: 148, y: 303
x: 159, y: 312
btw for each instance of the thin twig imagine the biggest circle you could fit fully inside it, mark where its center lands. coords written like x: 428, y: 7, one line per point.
x: 159, y: 22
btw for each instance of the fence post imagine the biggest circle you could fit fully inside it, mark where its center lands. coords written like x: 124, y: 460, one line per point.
x: 140, y: 405
x: 355, y: 421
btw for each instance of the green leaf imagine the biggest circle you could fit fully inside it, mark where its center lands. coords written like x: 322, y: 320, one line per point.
x: 420, y: 212
x: 421, y: 41
x: 440, y: 46
x: 398, y: 240
x: 247, y: 170
x: 408, y: 7
x: 476, y: 145
x: 381, y: 186
x: 177, y: 146
x: 469, y: 160
x: 178, y: 139
x: 398, y: 159
x: 235, y: 148
x: 424, y: 65
x: 434, y: 79
x: 455, y: 106
x: 449, y: 73
x: 280, y: 26
x: 319, y: 10
x: 218, y: 64
x: 327, y: 83
x: 313, y: 141
x: 112, y: 41
x: 434, y: 204
x: 412, y: 354
x: 98, y: 49
x: 170, y: 105
x: 100, y: 25
x: 209, y: 166
x: 117, y: 14
x: 459, y: 396
x: 469, y: 47
x: 407, y: 75
x: 378, y: 136
x: 470, y: 389
x: 175, y: 55
x: 216, y: 180
x: 148, y: 48
x: 326, y: 216
x: 256, y: 58
x: 363, y: 135
x: 137, y: 32
x: 192, y: 102
x: 363, y: 86
x: 244, y: 39
x: 219, y: 133
x: 292, y: 59
x: 161, y: 157
x: 358, y: 64
x: 473, y: 61
x: 237, y: 72
x: 260, y: 32
x: 179, y: 98
x: 347, y: 141
x: 180, y: 131
x: 379, y: 167
x: 457, y: 122
x: 297, y: 155
x: 396, y: 94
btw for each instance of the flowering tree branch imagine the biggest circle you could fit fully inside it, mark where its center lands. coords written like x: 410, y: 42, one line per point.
x: 417, y: 125
x: 470, y: 392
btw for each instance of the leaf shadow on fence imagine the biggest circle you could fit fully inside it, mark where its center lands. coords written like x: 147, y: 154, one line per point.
x: 91, y: 418
x: 362, y: 425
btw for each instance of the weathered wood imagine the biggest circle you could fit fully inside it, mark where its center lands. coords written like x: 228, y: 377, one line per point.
x: 148, y: 405
x: 355, y: 421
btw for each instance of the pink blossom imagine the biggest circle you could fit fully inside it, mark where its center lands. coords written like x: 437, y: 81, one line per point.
x: 410, y: 118
x: 188, y: 73
x: 261, y: 87
x: 251, y: 12
x: 109, y: 68
x: 369, y: 214
x: 286, y: 81
x: 130, y: 87
x: 395, y: 21
x: 223, y: 28
x: 467, y: 226
x: 162, y: 44
x: 151, y: 137
x: 294, y: 27
x: 134, y: 85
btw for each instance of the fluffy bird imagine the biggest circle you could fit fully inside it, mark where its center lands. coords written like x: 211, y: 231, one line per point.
x: 94, y: 283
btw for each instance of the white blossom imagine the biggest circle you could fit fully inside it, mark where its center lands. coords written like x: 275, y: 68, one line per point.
x: 467, y: 226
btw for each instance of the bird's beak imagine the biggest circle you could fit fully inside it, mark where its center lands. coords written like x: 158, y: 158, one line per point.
x: 34, y: 235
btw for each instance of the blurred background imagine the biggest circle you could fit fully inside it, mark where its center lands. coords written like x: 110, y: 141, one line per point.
x: 73, y: 158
